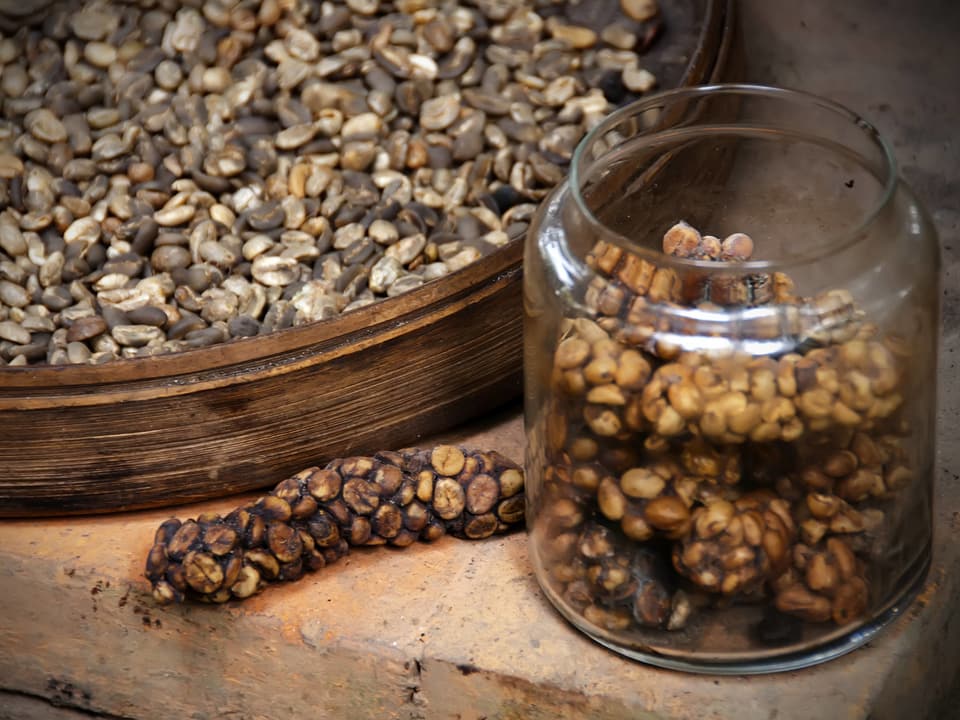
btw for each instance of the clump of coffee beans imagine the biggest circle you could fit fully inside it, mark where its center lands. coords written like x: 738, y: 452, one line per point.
x: 313, y: 518
x: 680, y: 476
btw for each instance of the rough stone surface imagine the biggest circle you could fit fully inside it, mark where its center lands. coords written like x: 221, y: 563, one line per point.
x: 463, y: 630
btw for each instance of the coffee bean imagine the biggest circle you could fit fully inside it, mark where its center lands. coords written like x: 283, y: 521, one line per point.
x: 147, y: 315
x: 128, y: 162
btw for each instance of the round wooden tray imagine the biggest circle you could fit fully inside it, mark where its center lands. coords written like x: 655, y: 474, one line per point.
x: 234, y: 417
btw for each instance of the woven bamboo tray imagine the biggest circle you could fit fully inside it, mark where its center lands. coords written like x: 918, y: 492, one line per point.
x: 234, y: 417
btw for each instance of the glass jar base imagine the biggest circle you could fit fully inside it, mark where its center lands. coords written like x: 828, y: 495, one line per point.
x: 830, y: 647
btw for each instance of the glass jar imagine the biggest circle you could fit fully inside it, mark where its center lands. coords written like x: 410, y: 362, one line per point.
x: 731, y: 323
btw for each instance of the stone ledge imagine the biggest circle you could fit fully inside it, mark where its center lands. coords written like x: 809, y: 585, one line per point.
x: 449, y: 630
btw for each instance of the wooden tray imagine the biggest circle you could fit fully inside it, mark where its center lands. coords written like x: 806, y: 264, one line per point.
x: 234, y: 417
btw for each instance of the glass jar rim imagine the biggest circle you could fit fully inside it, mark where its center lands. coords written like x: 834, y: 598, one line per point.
x: 839, y: 243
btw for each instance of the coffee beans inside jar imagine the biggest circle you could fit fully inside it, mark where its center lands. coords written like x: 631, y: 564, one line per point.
x: 174, y: 175
x: 731, y: 312
x: 681, y: 477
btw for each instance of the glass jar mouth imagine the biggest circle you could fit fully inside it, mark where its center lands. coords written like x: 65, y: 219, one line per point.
x: 834, y: 243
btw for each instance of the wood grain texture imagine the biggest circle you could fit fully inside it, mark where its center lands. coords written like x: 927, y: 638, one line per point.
x: 189, y: 433
x: 243, y: 415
